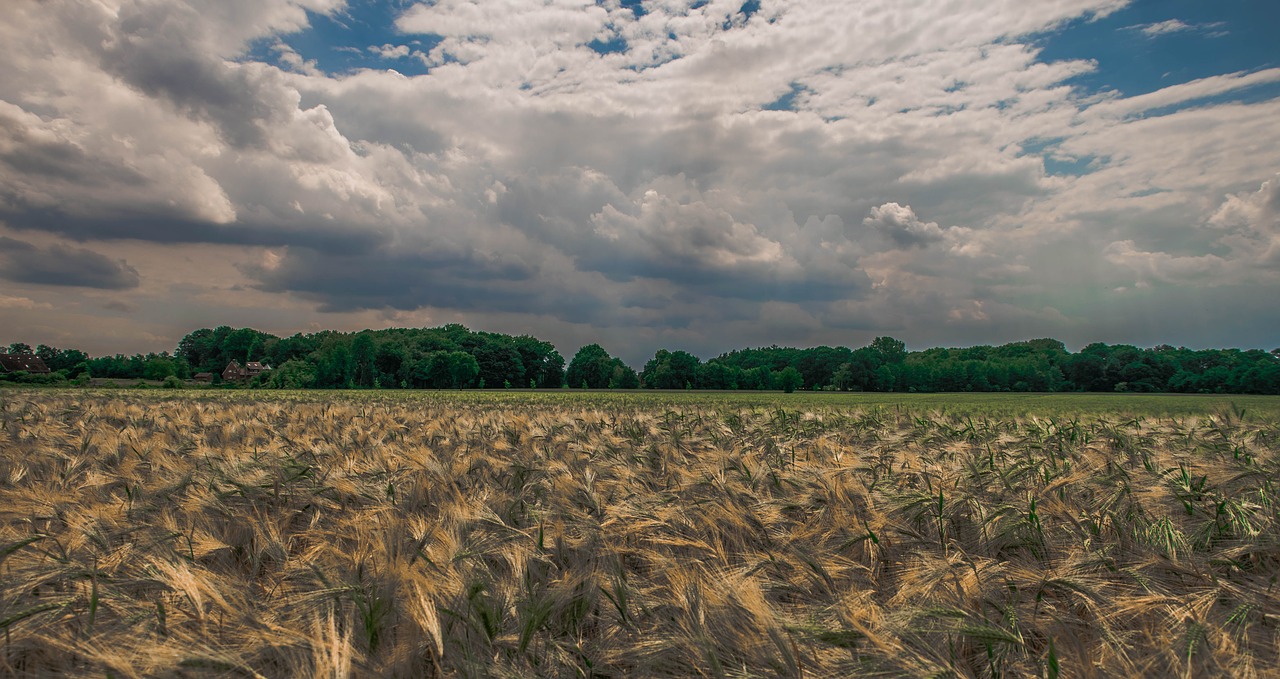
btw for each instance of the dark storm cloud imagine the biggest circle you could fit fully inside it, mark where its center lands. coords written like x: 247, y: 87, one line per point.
x: 323, y: 235
x: 122, y: 307
x: 57, y: 160
x: 690, y: 274
x: 152, y: 49
x: 22, y: 262
x: 671, y: 233
x: 407, y: 281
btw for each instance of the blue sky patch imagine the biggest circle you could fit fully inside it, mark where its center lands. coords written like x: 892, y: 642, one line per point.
x: 786, y: 102
x: 1056, y: 164
x: 636, y: 7
x: 613, y: 45
x: 342, y: 42
x: 1063, y: 166
x: 1219, y: 37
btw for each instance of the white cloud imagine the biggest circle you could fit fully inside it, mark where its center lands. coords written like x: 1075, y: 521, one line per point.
x: 1169, y: 26
x: 901, y: 225
x: 293, y: 61
x: 1168, y: 268
x: 70, y: 164
x: 971, y: 312
x: 1173, y: 95
x: 389, y: 51
x: 1251, y: 225
x: 1164, y: 27
x: 685, y: 233
x: 509, y: 31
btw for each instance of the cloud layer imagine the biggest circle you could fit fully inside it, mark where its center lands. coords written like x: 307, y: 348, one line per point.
x: 706, y: 175
x: 22, y: 262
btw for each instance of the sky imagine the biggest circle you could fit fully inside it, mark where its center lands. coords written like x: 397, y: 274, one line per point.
x: 701, y: 175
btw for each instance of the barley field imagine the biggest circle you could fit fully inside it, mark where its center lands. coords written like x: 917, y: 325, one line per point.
x: 238, y: 534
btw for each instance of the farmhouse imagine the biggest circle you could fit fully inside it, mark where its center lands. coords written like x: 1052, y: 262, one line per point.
x: 12, y: 363
x: 202, y: 378
x: 234, y: 372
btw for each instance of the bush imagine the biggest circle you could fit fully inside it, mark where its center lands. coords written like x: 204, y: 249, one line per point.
x: 171, y: 382
x: 24, y: 377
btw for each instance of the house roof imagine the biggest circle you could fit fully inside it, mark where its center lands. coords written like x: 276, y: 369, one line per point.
x: 234, y: 371
x: 26, y: 362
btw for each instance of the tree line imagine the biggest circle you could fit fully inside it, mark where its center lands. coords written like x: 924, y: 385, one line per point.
x: 455, y: 357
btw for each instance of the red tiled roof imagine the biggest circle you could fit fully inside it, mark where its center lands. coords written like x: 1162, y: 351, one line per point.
x: 26, y: 362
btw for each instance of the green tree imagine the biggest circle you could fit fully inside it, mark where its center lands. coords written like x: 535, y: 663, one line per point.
x: 592, y: 366
x: 498, y: 359
x: 889, y: 349
x: 818, y: 364
x: 47, y: 354
x: 716, y: 374
x: 293, y: 374
x: 241, y: 344
x: 543, y: 365
x: 362, y: 354
x: 788, y: 379
x: 843, y: 379
x: 429, y: 372
x: 756, y: 379
x: 200, y: 349
x: 60, y: 359
x: 389, y: 364
x: 334, y: 365
x: 159, y: 367
x: 623, y: 376
x: 463, y: 369
x: 670, y: 370
x: 254, y: 352
x: 885, y: 379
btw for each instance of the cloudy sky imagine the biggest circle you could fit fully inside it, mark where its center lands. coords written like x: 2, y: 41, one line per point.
x: 700, y: 175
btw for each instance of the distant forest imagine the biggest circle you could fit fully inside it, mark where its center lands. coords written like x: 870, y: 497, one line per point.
x: 455, y: 357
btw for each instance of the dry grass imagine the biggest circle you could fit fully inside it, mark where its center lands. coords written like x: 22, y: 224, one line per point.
x: 260, y: 536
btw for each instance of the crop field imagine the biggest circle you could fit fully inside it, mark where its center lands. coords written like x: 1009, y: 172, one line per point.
x: 568, y: 534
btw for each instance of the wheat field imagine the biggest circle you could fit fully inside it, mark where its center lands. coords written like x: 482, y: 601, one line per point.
x: 438, y: 536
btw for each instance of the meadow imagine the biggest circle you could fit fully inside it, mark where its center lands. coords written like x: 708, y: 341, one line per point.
x: 611, y: 534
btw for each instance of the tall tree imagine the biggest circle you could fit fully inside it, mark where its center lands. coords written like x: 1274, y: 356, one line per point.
x: 889, y: 349
x: 362, y: 353
x: 670, y: 370
x: 591, y: 367
x: 789, y: 378
x: 499, y: 361
x: 543, y: 365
